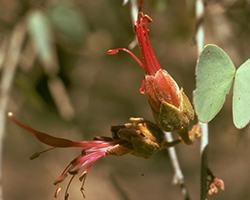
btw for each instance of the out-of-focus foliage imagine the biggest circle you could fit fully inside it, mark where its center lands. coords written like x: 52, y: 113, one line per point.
x: 68, y: 22
x: 40, y: 32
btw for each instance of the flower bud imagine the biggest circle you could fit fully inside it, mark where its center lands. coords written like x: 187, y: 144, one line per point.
x: 171, y: 107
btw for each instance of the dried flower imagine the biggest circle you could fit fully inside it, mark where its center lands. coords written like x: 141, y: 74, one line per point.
x: 171, y: 107
x: 138, y: 137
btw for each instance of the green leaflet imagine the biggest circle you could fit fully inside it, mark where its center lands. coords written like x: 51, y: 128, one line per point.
x: 214, y: 75
x: 39, y: 29
x: 241, y: 96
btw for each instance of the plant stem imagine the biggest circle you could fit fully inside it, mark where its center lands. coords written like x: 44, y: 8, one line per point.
x: 200, y: 8
x: 134, y: 14
x: 178, y: 175
x: 10, y: 64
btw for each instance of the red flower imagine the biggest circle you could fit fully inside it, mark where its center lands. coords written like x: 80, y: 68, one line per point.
x: 171, y: 107
x: 138, y: 137
x: 158, y: 84
x: 91, y: 152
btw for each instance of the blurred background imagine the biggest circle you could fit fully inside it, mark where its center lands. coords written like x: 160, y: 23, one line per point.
x: 65, y: 84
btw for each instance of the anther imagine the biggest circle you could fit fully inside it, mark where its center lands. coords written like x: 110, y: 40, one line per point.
x: 58, y: 190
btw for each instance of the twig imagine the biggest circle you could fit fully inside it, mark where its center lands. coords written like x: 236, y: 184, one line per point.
x: 10, y: 65
x: 125, y: 2
x: 204, y: 126
x: 133, y: 9
x: 28, y: 57
x: 3, y: 48
x: 57, y: 88
x: 204, y: 161
x: 134, y: 13
x: 199, y: 8
x: 178, y: 175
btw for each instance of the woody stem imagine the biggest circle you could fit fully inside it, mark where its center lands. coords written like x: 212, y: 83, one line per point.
x: 200, y: 9
x: 178, y: 175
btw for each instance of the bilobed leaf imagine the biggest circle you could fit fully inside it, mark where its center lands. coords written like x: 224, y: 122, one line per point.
x: 40, y: 32
x: 241, y: 96
x: 214, y: 75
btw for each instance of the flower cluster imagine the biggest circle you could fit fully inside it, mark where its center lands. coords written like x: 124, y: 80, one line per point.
x: 171, y: 108
x: 138, y: 137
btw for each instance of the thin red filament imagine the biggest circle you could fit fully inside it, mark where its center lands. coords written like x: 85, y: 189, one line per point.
x: 150, y: 62
x: 115, y: 51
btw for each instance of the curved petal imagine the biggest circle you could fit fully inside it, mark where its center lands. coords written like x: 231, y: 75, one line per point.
x: 166, y: 88
x: 55, y: 141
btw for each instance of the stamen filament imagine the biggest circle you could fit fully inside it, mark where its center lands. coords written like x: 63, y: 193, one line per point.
x: 115, y: 51
x: 37, y: 154
x: 65, y: 172
x: 66, y: 196
x: 82, y: 179
x: 58, y: 190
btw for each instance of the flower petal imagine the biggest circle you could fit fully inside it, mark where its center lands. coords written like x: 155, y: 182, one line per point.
x: 55, y: 141
x: 166, y: 88
x: 85, y: 162
x: 150, y: 61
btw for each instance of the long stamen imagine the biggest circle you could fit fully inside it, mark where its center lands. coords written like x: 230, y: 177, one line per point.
x: 82, y: 179
x: 115, y: 51
x: 37, y: 154
x: 66, y: 196
x: 65, y: 172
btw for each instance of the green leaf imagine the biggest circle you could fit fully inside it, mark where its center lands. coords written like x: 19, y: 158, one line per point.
x: 241, y: 96
x: 40, y: 32
x: 214, y: 75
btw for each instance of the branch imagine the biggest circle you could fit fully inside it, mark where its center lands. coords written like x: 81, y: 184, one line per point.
x: 204, y: 126
x: 11, y: 61
x: 134, y: 13
x: 178, y: 175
